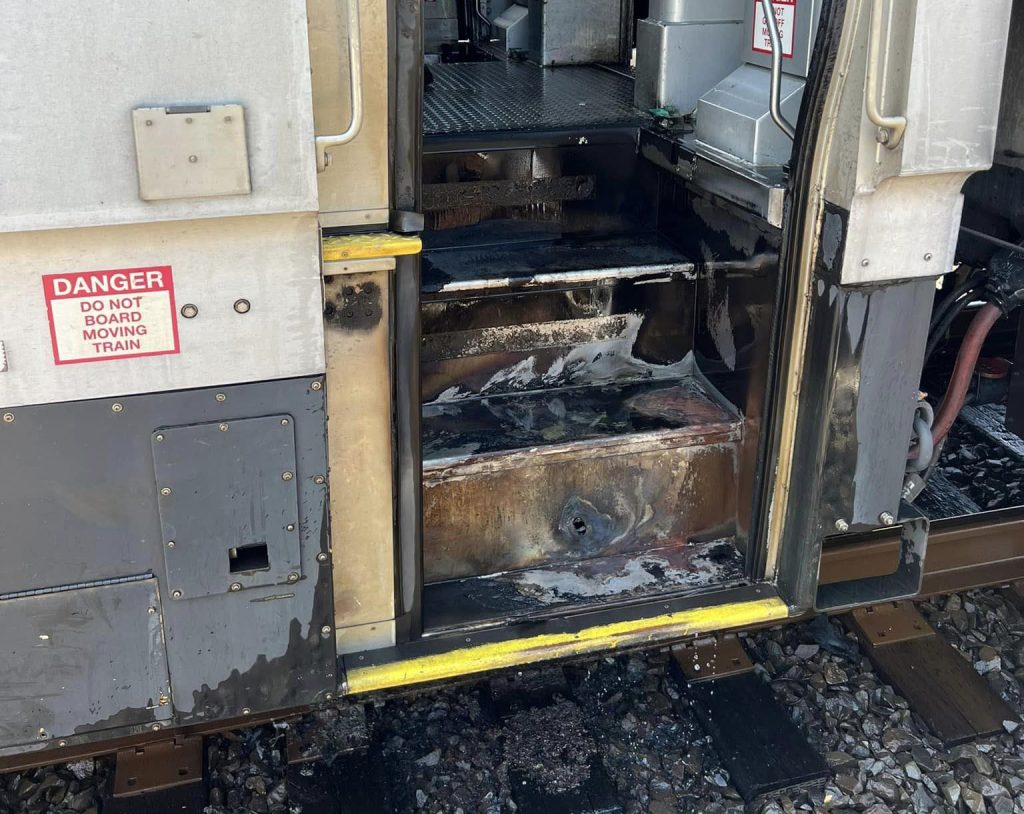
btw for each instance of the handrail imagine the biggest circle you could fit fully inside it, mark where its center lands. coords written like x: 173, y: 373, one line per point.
x: 891, y: 128
x: 775, y: 98
x: 355, y: 73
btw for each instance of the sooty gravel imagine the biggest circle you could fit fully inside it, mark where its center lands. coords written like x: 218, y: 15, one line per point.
x: 463, y: 749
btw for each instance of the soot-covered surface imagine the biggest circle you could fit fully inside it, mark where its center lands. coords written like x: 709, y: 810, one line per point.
x: 471, y: 427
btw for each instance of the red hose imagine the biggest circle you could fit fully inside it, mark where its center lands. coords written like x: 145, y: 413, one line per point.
x: 966, y: 359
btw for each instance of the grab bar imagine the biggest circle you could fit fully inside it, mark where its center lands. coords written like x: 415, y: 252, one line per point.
x: 355, y: 74
x: 890, y: 128
x: 775, y: 99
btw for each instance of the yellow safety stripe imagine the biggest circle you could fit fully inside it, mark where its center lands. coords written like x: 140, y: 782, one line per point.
x: 369, y: 246
x: 516, y: 652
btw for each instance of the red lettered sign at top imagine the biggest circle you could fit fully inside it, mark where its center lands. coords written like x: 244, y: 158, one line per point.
x: 116, y: 314
x: 785, y: 16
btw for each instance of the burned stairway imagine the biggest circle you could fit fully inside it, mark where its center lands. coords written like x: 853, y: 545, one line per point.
x: 573, y: 453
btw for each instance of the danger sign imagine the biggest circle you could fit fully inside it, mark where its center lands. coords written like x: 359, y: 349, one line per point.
x: 785, y: 16
x: 118, y: 314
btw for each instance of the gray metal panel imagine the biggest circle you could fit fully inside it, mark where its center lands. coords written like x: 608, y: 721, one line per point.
x: 574, y: 31
x: 69, y: 157
x: 677, y: 62
x: 733, y: 116
x: 78, y: 503
x: 224, y: 488
x: 80, y: 661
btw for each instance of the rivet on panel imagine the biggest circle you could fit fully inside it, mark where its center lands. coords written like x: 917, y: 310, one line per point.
x: 246, y: 711
x: 155, y: 727
x: 242, y: 306
x: 192, y: 159
x: 865, y: 262
x: 62, y: 743
x: 325, y: 631
x: 284, y: 422
x: 220, y: 397
x: 321, y: 557
x: 175, y: 594
x: 42, y: 734
x: 328, y: 696
x: 319, y: 480
x: 151, y: 611
x: 927, y: 256
x: 8, y: 418
x: 159, y: 437
x: 293, y: 577
x: 287, y: 476
x: 171, y: 544
x: 315, y: 386
x: 222, y: 427
x: 290, y: 527
x: 165, y: 491
x: 117, y: 407
x: 235, y: 587
x: 190, y: 310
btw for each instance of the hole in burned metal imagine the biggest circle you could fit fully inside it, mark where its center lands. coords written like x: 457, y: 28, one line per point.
x: 579, y: 525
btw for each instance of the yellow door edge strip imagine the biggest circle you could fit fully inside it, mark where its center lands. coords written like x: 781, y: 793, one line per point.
x: 369, y: 246
x: 516, y: 652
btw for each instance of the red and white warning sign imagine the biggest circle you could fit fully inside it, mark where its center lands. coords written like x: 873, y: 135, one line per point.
x: 785, y: 16
x: 117, y: 314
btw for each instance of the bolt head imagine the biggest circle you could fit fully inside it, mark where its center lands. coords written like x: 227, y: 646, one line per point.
x: 287, y: 475
x: 235, y: 587
x: 865, y: 262
x: 175, y: 594
x: 319, y: 480
x: 160, y: 437
x: 62, y: 743
x: 882, y: 136
x: 322, y: 557
x: 222, y: 427
x: 189, y: 310
x: 886, y: 518
x: 246, y: 711
x: 171, y: 544
x: 842, y: 525
x: 315, y: 386
x: 117, y: 407
x: 293, y: 577
x: 220, y: 397
x: 242, y: 306
x: 151, y: 611
x: 328, y: 696
x: 165, y: 491
x: 8, y: 418
x: 325, y: 631
x: 284, y: 422
x: 290, y: 527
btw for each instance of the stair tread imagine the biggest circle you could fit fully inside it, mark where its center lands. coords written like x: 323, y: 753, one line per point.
x: 473, y: 428
x: 566, y: 261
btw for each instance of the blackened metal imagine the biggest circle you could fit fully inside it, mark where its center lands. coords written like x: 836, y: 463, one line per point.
x: 508, y: 193
x: 712, y: 657
x: 502, y: 96
x: 405, y: 86
x: 355, y: 307
x: 902, y: 583
x: 74, y: 586
x: 258, y: 655
x: 577, y: 587
x: 797, y: 570
x: 409, y: 511
x: 590, y: 135
x: 942, y: 499
x: 230, y: 488
x: 82, y: 661
x: 573, y: 262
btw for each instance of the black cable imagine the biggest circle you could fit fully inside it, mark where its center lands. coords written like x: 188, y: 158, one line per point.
x: 970, y: 284
x: 935, y: 337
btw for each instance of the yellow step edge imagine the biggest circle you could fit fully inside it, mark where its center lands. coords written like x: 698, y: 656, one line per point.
x: 516, y: 652
x: 369, y: 246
